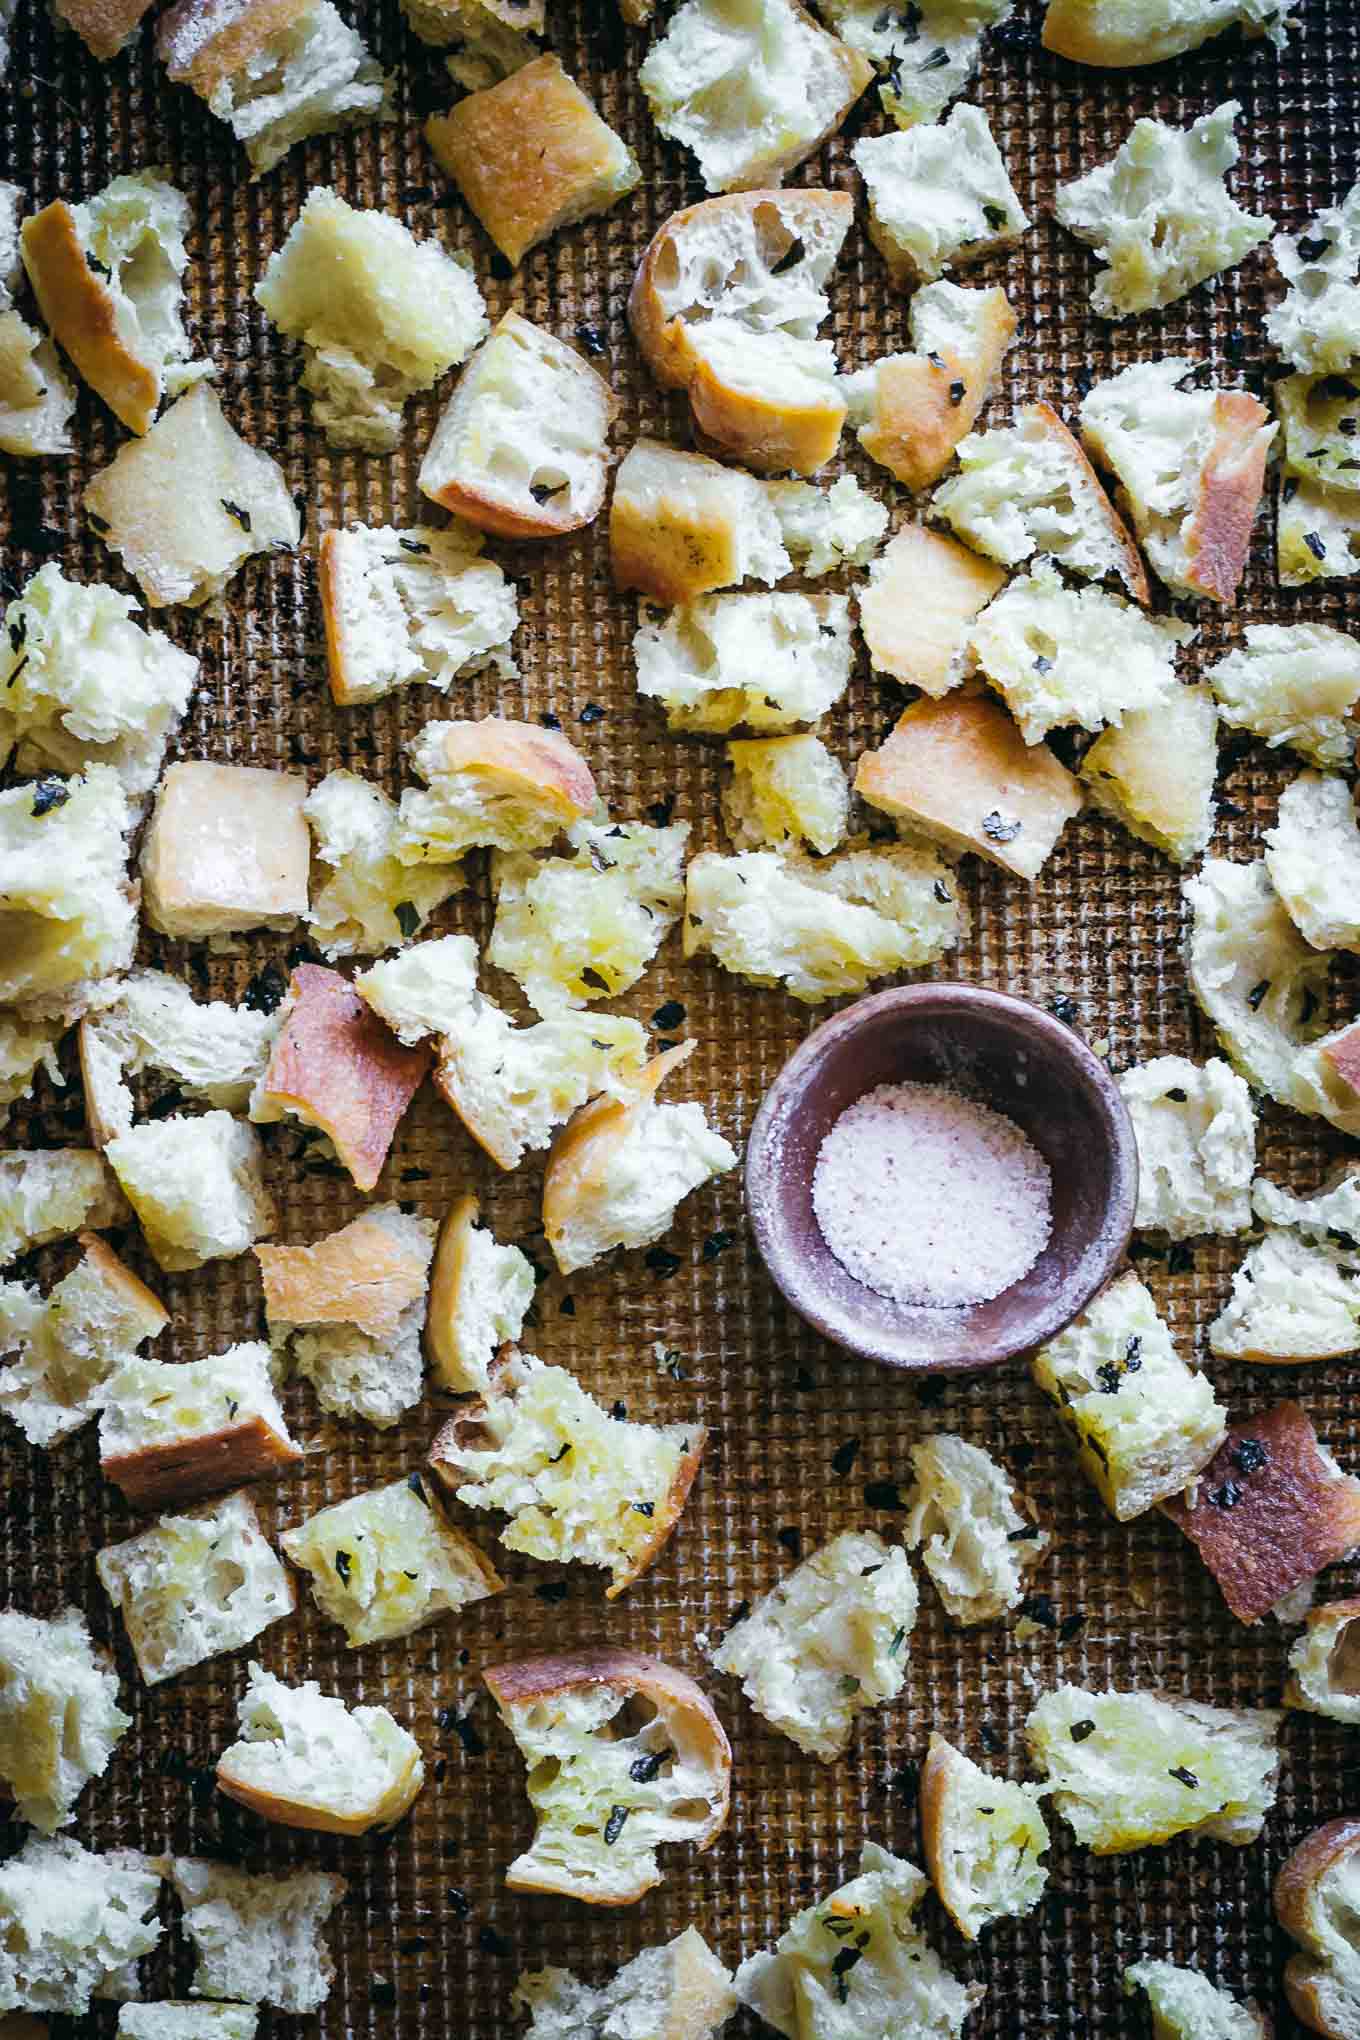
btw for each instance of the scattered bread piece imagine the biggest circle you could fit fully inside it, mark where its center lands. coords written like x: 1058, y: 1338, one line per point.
x: 1317, y: 323
x: 1317, y: 533
x: 1331, y: 1213
x: 69, y: 913
x: 104, y: 26
x: 1313, y: 857
x: 1293, y: 1300
x: 73, y: 1925
x: 915, y: 89
x: 306, y: 1760
x: 486, y: 39
x: 415, y: 604
x: 366, y: 899
x: 1315, y: 1904
x: 924, y: 593
x: 513, y: 1086
x: 785, y: 793
x: 839, y: 526
x: 1324, y: 1663
x: 480, y: 1293
x: 1156, y: 772
x: 1195, y: 1126
x: 26, y: 1046
x: 49, y: 1194
x: 37, y: 397
x: 1185, y: 2006
x: 1115, y: 35
x: 258, y: 1938
x: 979, y: 1535
x: 67, y: 1346
x: 1319, y: 420
x: 758, y: 662
x: 505, y: 785
x: 938, y: 196
x: 172, y: 1432
x: 911, y: 410
x: 682, y: 525
x: 60, y: 1721
x: 983, y: 1837
x: 679, y: 1992
x: 424, y: 990
x: 227, y: 849
x: 196, y: 1185
x: 182, y: 2019
x: 151, y: 1021
x: 385, y: 1563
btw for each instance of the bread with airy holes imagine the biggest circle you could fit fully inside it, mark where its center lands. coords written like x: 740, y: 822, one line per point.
x: 1315, y: 1903
x: 512, y: 1087
x: 911, y: 410
x: 172, y: 1432
x: 69, y: 915
x: 412, y: 605
x: 1316, y: 325
x: 480, y: 1294
x: 1195, y: 1126
x: 425, y: 989
x: 196, y: 1185
x: 939, y: 196
x: 258, y: 1938
x: 64, y: 1349
x: 73, y: 1924
x: 306, y: 1760
x: 1324, y: 1663
x: 60, y: 1721
x: 151, y: 1021
x: 979, y: 1536
x: 1185, y: 2006
x: 1313, y: 858
x: 492, y: 784
x: 364, y: 898
x: 679, y: 1992
x: 48, y: 1194
x: 983, y: 1837
x: 1296, y: 684
x: 384, y: 1563
x: 755, y: 662
x: 785, y: 793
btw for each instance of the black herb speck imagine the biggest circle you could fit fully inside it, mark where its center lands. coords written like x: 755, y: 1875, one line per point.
x: 542, y: 492
x: 791, y: 1537
x: 413, y: 545
x: 492, y: 1943
x: 550, y: 721
x: 1312, y: 248
x: 1081, y: 1729
x: 883, y: 1494
x: 958, y: 390
x: 943, y: 894
x: 100, y: 525
x: 672, y: 1014
x: 1023, y: 1534
x: 567, y: 1307
x: 791, y: 256
x: 416, y: 1485
x: 660, y: 812
x: 343, y: 1562
x: 844, y: 1457
x: 381, y: 1993
x: 1184, y: 1777
x: 1065, y: 1008
x: 553, y: 1591
x: 235, y: 510
x: 591, y: 713
x: 716, y: 1243
x: 998, y: 829
x: 1070, y: 1626
x: 266, y: 991
x: 644, y: 1508
x: 995, y: 216
x: 661, y: 1261
x: 592, y: 977
x: 899, y: 1638
x: 1040, y: 1609
x: 408, y: 917
x: 936, y: 61
x: 460, y: 1905
x: 590, y: 339
x: 1227, y: 1496
x: 619, y: 1411
x: 1315, y: 544
x: 1176, y: 1096
x: 1180, y: 1260
x: 643, y: 1769
x: 989, y: 1739
x: 1109, y: 1376
x: 99, y: 268
x: 613, y: 1827
x: 560, y: 1454
x: 1249, y: 1455
x: 1257, y: 994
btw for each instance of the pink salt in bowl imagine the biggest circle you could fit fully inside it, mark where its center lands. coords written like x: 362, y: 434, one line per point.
x: 1007, y: 1054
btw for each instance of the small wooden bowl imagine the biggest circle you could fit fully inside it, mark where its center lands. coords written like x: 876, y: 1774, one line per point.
x: 1019, y: 1060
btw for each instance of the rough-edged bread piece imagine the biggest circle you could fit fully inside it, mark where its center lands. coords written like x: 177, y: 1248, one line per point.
x: 104, y: 26
x: 494, y: 783
x: 978, y: 1542
x: 679, y: 1992
x: 68, y: 914
x: 822, y: 926
x: 1120, y: 35
x: 1315, y: 1902
x: 1195, y: 1126
x: 899, y: 1986
x: 1143, y: 1422
x: 1295, y: 684
x: 911, y: 410
x: 194, y: 1585
x: 48, y: 1194
x: 760, y: 662
x: 380, y: 315
x: 151, y: 1021
x: 108, y: 277
x: 682, y: 525
x: 425, y: 990
x: 513, y: 1086
x: 486, y: 39
x: 12, y: 202
x: 227, y: 849
x: 1324, y: 1663
x: 1292, y: 1300
x: 958, y: 772
x: 306, y: 1760
x: 785, y: 793
x: 257, y: 1938
x: 1317, y: 533
x: 1160, y: 215
x: 578, y: 1485
x: 67, y: 1346
x: 1317, y: 323
x: 277, y: 71
x: 925, y: 53
x: 60, y: 1721
x: 751, y: 86
x: 196, y: 1185
x: 523, y: 445
x: 1320, y: 416
x: 606, y: 1799
x: 182, y: 2019
x: 983, y: 1837
x: 73, y: 1925
x: 827, y: 1642
x: 621, y: 1166
x: 188, y: 505
x: 1313, y: 857
x: 366, y: 899
x: 491, y: 145
x: 938, y: 196
x: 1156, y: 772
x: 414, y: 604
x: 385, y: 1563
x: 356, y: 1370
x: 26, y: 1046
x: 1333, y: 1212
x: 923, y: 595
x: 172, y: 1432
x: 839, y: 526
x: 1185, y: 2006
x: 480, y: 1293
x: 585, y: 925
x: 37, y: 398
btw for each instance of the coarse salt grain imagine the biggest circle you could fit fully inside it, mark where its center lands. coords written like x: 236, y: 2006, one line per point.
x: 931, y: 1198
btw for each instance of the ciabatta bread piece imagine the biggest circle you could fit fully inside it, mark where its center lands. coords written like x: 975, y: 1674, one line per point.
x: 196, y: 1185
x: 65, y: 1347
x: 172, y: 1432
x: 1156, y: 772
x: 1315, y: 1902
x: 1313, y: 858
x: 426, y: 989
x: 492, y: 783
x: 1293, y: 1300
x: 1195, y: 1126
x: 194, y: 1585
x: 911, y: 410
x: 182, y: 2019
x: 914, y: 88
x: 679, y: 1992
x: 979, y: 1535
x: 151, y: 1021
x: 37, y: 397
x: 415, y: 604
x: 1318, y: 423
x: 364, y: 899
x: 306, y: 1760
x: 258, y: 1938
x: 227, y: 849
x: 480, y: 1293
x: 785, y: 793
x: 486, y: 39
x: 1185, y: 2006
x: 70, y: 913
x: 607, y: 1799
x: 983, y: 1837
x: 1117, y: 35
x: 1316, y: 325
x: 827, y: 1642
x: 512, y: 1087
x: 49, y: 1194
x: 938, y: 196
x: 385, y: 1563
x: 924, y: 593
x: 757, y: 662
x: 1324, y: 1663
x: 73, y: 1925
x: 682, y: 525
x: 60, y: 1721
x: 1317, y: 533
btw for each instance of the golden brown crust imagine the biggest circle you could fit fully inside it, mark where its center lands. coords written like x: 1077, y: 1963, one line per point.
x: 666, y: 1516
x: 329, y: 583
x: 581, y: 1152
x: 765, y: 432
x: 936, y: 1776
x: 918, y: 417
x: 363, y: 1275
x: 102, y: 25
x: 293, y: 1813
x: 916, y: 611
x: 1218, y: 534
x: 1132, y: 571
x: 1344, y: 1053
x: 206, y: 61
x: 1296, y: 1887
x: 184, y: 1470
x: 116, y: 1276
x: 446, y: 1283
x: 504, y: 1158
x: 523, y: 760
x: 672, y: 543
x: 79, y: 309
x: 1343, y: 1666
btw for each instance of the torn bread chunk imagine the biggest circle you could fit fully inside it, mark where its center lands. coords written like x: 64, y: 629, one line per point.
x: 227, y: 849
x: 1292, y: 1300
x: 60, y: 1721
x: 258, y: 1938
x: 752, y: 87
x: 173, y: 1432
x: 1317, y: 533
x: 73, y: 1925
x: 490, y: 144
x: 839, y: 526
x: 910, y: 411
x: 26, y: 1047
x: 621, y: 1167
x: 480, y: 1293
x: 151, y: 1021
x: 827, y: 1642
x: 68, y: 913
x: 196, y: 1185
x: 1316, y: 325
x: 1324, y: 1663
x: 1156, y: 772
x: 578, y: 1485
x: 492, y: 783
x: 512, y: 1087
x: 958, y: 772
x: 1270, y: 1510
x: 978, y: 1534
x: 486, y: 39
x: 1313, y: 858
x: 1296, y: 684
x: 1315, y: 1903
x: 785, y: 793
x: 306, y: 1760
x: 759, y: 662
x: 1185, y: 2006
x: 385, y: 1563
x: 365, y: 898
x: 424, y: 990
x: 182, y: 2019
x: 924, y: 593
x: 1319, y: 419
x: 1117, y: 35
x: 104, y: 26
x: 607, y: 1798
x: 1195, y: 1126
x: 49, y: 1194
x: 925, y: 54
x: 194, y: 1585
x: 1159, y: 213
x: 682, y: 525
x: 1143, y: 1422
x: 412, y: 605
x: 66, y: 1347
x: 679, y: 1992
x: 37, y: 397
x: 1333, y: 1212
x: 983, y: 1837
x: 938, y: 196
x: 355, y: 1369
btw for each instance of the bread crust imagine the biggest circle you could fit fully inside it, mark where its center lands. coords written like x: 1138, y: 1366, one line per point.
x: 186, y: 1470
x: 1295, y: 1890
x: 318, y: 1820
x: 360, y: 1276
x: 79, y: 310
x: 580, y: 1154
x: 114, y: 1275
x: 1132, y: 572
x: 504, y: 1158
x: 521, y: 759
x: 673, y: 547
x: 776, y: 438
x: 924, y: 593
x: 917, y: 421
x: 446, y: 1282
x: 206, y: 61
x: 1218, y: 533
x: 1111, y: 35
x: 1344, y: 1614
x: 102, y: 25
x: 1344, y: 1053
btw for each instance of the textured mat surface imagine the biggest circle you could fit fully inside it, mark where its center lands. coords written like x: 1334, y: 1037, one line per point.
x: 429, y: 1941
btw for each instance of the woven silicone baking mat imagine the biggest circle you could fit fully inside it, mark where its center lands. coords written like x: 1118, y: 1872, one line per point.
x: 429, y: 1941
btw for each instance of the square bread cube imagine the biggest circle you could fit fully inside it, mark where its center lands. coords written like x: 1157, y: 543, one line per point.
x: 67, y: 1347
x: 258, y: 1937
x: 73, y: 1925
x: 364, y: 898
x: 513, y: 1086
x: 425, y: 989
x: 48, y: 1194
x: 758, y: 662
x: 683, y: 1986
x: 227, y: 849
x: 68, y: 913
x: 983, y: 1840
x: 418, y: 604
x: 785, y: 793
x: 915, y: 88
x: 385, y: 1563
x: 1319, y: 419
x: 911, y: 410
x: 494, y: 783
x: 924, y: 593
x: 480, y: 1293
x: 1156, y: 772
x: 1293, y: 1300
x: 196, y: 1185
x: 682, y: 525
x: 938, y: 196
x: 60, y: 1721
x: 486, y: 39
x: 152, y: 1021
x: 26, y: 1046
x: 1195, y: 1126
x: 173, y: 1432
x: 531, y: 155
x: 1295, y: 684
x: 978, y: 1535
x: 104, y: 26
x: 1313, y: 857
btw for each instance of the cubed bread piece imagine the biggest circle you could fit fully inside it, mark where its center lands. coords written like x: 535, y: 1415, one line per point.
x: 258, y: 1938
x: 425, y: 990
x: 1195, y: 1126
x: 1324, y: 1663
x: 494, y: 783
x: 495, y: 146
x: 194, y: 1585
x: 827, y: 1642
x: 622, y: 1166
x: 48, y: 1194
x: 37, y: 398
x: 355, y: 1369
x: 1144, y: 1423
x: 822, y: 926
x: 409, y: 605
x: 306, y: 1760
x: 797, y: 1986
x: 979, y: 1535
x: 1131, y: 1770
x: 227, y: 849
x: 1316, y: 1896
x: 196, y: 1185
x: 759, y: 662
x: 1313, y: 857
x: 938, y: 196
x: 68, y: 913
x: 1117, y: 35
x: 523, y: 445
x: 1333, y: 1212
x: 513, y: 1086
x: 188, y: 505
x: 486, y: 39
x: 385, y: 1563
x: 152, y: 1021
x: 1317, y: 533
x: 607, y: 1798
x: 366, y: 900
x: 1064, y: 655
x: 182, y: 2019
x: 380, y: 315
x: 839, y: 526
x: 915, y: 88
x: 1184, y: 2005
x: 1295, y: 684
x: 1316, y: 325
x: 578, y: 1485
x: 1292, y: 1300
x: 1320, y: 416
x: 1155, y: 774
x: 480, y: 1293
x: 1160, y: 215
x: 679, y: 1992
x: 959, y: 772
x: 751, y: 86
x: 785, y: 793
x: 60, y: 1721
x: 983, y: 1837
x: 682, y: 525
x: 911, y: 410
x: 585, y: 925
x: 109, y: 276
x: 277, y: 71
x: 73, y: 1925
x: 1269, y: 1511
x: 26, y: 1046
x: 172, y: 1432
x: 67, y: 1346
x: 923, y: 595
